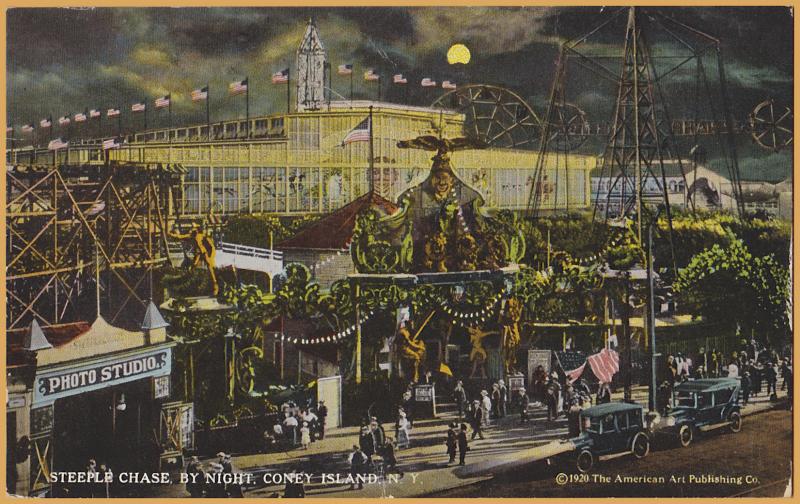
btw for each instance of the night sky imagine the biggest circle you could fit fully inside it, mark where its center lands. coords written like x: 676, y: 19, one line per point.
x: 65, y: 60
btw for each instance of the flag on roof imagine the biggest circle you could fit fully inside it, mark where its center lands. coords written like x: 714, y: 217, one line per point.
x: 605, y: 364
x: 138, y: 107
x: 200, y: 94
x: 281, y: 77
x: 80, y: 117
x: 237, y: 87
x: 27, y: 128
x: 63, y: 121
x: 448, y: 85
x: 111, y: 143
x: 45, y: 123
x: 346, y: 69
x: 358, y: 134
x: 162, y: 102
x: 399, y: 79
x: 56, y: 144
x: 94, y: 113
x: 370, y: 75
x: 428, y: 82
x: 112, y: 112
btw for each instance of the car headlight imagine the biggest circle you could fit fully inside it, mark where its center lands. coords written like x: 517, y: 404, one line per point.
x: 670, y: 421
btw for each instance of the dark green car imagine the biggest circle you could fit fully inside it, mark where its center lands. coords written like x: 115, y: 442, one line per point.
x: 703, y: 405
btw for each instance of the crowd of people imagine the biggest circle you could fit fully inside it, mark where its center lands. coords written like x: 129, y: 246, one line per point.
x: 299, y: 427
x: 200, y: 486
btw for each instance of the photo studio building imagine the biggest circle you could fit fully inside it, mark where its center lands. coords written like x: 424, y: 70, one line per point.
x: 82, y: 391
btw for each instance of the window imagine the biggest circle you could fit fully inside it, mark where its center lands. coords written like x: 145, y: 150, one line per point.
x: 591, y: 424
x: 685, y: 399
x: 635, y: 418
x: 705, y: 400
x: 622, y: 420
x: 723, y: 396
x: 608, y: 423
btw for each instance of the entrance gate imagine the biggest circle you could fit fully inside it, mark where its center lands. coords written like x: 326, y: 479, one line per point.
x: 176, y: 431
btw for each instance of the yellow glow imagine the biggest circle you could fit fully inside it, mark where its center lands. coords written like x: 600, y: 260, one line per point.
x: 458, y: 53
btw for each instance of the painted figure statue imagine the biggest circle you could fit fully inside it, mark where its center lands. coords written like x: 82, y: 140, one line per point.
x: 411, y: 350
x: 509, y: 320
x: 478, y: 355
x: 203, y: 249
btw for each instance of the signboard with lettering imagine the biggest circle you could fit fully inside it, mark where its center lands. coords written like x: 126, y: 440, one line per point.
x: 423, y: 393
x: 538, y: 358
x: 67, y: 381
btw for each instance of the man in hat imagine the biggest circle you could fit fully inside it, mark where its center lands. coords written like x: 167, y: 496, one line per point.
x: 460, y: 397
x: 195, y: 484
x: 523, y: 401
x: 358, y: 463
x: 463, y: 444
x: 503, y: 397
x: 486, y: 407
x: 322, y: 414
x: 476, y: 419
x: 216, y: 488
x: 452, y: 435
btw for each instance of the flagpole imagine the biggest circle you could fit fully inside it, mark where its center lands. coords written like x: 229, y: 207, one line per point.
x: 119, y: 121
x: 379, y: 88
x: 169, y: 119
x: 371, y: 175
x: 208, y: 115
x: 51, y: 126
x: 288, y: 88
x: 351, y: 87
x: 247, y: 103
x: 145, y: 119
x: 100, y: 124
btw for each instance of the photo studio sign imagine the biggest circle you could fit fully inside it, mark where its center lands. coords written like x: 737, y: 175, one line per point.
x: 64, y: 382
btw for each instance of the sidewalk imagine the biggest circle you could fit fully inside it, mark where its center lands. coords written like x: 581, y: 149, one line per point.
x: 507, y: 443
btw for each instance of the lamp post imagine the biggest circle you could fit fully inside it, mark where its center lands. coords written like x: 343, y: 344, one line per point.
x: 651, y: 313
x: 230, y: 362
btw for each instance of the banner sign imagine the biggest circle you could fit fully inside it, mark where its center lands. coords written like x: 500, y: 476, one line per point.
x: 64, y: 382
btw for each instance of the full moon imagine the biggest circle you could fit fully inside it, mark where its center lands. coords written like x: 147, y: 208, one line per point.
x: 458, y: 53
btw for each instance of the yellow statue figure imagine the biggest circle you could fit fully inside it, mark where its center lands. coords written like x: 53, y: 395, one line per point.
x: 478, y: 354
x: 509, y: 320
x: 204, y: 250
x: 411, y: 350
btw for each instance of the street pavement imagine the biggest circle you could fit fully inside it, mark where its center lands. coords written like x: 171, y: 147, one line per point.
x: 507, y: 445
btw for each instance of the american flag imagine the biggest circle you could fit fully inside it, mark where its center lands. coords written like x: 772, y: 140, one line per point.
x: 27, y: 128
x: 281, y: 77
x: 162, y: 102
x: 399, y: 79
x: 428, y: 82
x: 448, y: 85
x: 57, y: 144
x: 370, y: 75
x: 604, y: 364
x: 111, y: 143
x: 112, y: 112
x: 63, y: 121
x: 94, y: 113
x: 200, y: 94
x: 358, y: 134
x: 45, y: 123
x: 345, y: 69
x: 138, y: 107
x: 237, y: 87
x: 80, y: 117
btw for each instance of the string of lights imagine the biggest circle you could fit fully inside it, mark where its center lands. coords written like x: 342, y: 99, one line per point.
x: 328, y: 339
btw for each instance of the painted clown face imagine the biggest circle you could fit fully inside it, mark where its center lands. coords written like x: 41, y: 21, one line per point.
x: 442, y: 183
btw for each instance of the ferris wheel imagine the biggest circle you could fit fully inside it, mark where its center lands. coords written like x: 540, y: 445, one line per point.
x: 771, y: 126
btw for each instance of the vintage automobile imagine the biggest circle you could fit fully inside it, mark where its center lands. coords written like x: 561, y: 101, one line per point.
x: 607, y: 431
x: 702, y: 405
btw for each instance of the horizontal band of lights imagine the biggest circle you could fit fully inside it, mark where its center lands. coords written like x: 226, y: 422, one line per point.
x: 469, y: 319
x: 333, y: 338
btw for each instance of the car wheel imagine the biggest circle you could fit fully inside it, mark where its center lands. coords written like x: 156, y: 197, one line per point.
x: 640, y: 446
x: 585, y: 461
x: 685, y: 435
x: 735, y: 420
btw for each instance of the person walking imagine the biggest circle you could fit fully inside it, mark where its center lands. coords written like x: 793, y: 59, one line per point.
x: 745, y: 388
x: 403, y: 439
x: 460, y: 398
x: 486, y: 407
x: 524, y: 402
x: 476, y: 419
x: 197, y: 476
x: 408, y: 407
x: 463, y: 444
x: 496, y: 401
x: 322, y: 415
x: 503, y: 398
x: 389, y: 458
x: 451, y: 441
x: 305, y: 435
x: 358, y: 464
x: 771, y: 373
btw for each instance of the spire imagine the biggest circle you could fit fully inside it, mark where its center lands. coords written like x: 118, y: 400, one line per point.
x: 153, y: 319
x: 311, y: 64
x: 35, y: 339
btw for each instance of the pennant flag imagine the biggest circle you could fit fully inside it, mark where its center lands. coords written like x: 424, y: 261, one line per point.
x: 112, y: 112
x: 200, y: 94
x: 399, y: 79
x: 138, y: 107
x: 237, y: 87
x: 45, y: 123
x: 604, y: 364
x: 111, y: 143
x: 94, y: 113
x: 427, y: 82
x: 448, y: 85
x: 345, y: 69
x: 57, y: 144
x: 281, y: 77
x: 162, y: 102
x: 445, y: 369
x: 27, y: 128
x: 370, y: 75
x: 358, y: 134
x: 63, y: 121
x: 80, y: 117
